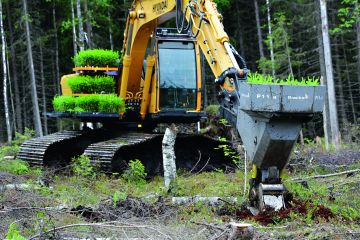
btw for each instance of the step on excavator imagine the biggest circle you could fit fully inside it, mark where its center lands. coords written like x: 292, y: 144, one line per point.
x: 167, y: 88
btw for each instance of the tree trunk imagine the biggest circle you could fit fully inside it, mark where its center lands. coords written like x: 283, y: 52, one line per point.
x: 358, y: 43
x: 73, y: 27
x: 14, y: 71
x: 34, y: 97
x: 258, y: 27
x: 353, y: 111
x: 57, y: 76
x: 81, y: 28
x: 11, y: 95
x: 6, y: 102
x: 110, y: 31
x: 24, y: 95
x: 271, y: 39
x: 288, y: 55
x: 342, y: 106
x: 168, y: 151
x: 326, y: 117
x: 334, y: 124
x: 240, y: 32
x: 88, y: 24
x: 43, y: 88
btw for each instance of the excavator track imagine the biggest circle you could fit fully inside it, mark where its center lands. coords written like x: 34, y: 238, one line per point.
x: 57, y: 150
x: 34, y: 151
x: 111, y: 150
x: 195, y: 152
x: 103, y: 154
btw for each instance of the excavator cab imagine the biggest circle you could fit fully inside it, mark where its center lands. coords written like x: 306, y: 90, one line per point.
x: 178, y: 76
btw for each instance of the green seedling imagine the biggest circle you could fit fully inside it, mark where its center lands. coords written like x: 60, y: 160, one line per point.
x: 96, y: 58
x: 88, y: 84
x: 256, y: 78
x: 109, y: 103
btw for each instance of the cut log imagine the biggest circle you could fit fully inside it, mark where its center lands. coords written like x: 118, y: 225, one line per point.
x: 8, y: 158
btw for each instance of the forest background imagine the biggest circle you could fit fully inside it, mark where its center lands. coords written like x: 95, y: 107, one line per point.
x: 276, y: 37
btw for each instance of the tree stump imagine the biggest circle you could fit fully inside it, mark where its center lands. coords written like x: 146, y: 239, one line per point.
x: 241, y: 231
x: 168, y: 151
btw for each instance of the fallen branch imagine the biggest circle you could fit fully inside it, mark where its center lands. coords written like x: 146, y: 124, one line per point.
x: 104, y: 225
x: 325, y: 175
x: 52, y: 209
x: 203, y: 166
x: 208, y: 225
x: 275, y: 227
x: 210, y: 200
x: 196, y: 162
x: 19, y: 187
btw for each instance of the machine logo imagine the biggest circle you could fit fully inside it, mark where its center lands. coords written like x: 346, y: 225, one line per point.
x: 160, y: 7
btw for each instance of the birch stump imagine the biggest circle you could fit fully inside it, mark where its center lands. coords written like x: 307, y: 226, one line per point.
x: 168, y: 151
x: 241, y: 231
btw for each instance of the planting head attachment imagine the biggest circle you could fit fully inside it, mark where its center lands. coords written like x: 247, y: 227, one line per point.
x: 269, y: 119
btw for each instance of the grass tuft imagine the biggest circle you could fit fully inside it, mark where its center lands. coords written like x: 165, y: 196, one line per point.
x: 96, y: 58
x: 17, y: 167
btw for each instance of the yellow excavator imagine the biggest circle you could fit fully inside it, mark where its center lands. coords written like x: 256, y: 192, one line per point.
x: 160, y: 79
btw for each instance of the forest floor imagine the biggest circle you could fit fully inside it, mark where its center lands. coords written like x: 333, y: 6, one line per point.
x: 47, y: 204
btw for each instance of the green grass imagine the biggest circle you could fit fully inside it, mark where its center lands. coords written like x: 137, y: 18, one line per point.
x: 256, y: 78
x: 17, y: 167
x: 88, y: 84
x: 96, y: 58
x: 110, y: 103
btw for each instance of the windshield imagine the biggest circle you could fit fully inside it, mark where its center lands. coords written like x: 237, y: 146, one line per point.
x: 177, y: 75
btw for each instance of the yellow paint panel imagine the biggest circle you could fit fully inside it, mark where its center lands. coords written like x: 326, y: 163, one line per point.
x: 65, y: 88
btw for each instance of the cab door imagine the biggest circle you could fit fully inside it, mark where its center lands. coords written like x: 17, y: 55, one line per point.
x: 177, y: 72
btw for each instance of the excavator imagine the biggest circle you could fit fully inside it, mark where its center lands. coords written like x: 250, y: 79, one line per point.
x: 160, y: 79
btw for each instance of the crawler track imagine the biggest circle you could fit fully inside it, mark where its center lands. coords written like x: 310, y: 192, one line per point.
x: 195, y: 152
x: 35, y: 151
x: 111, y: 150
x: 102, y: 154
